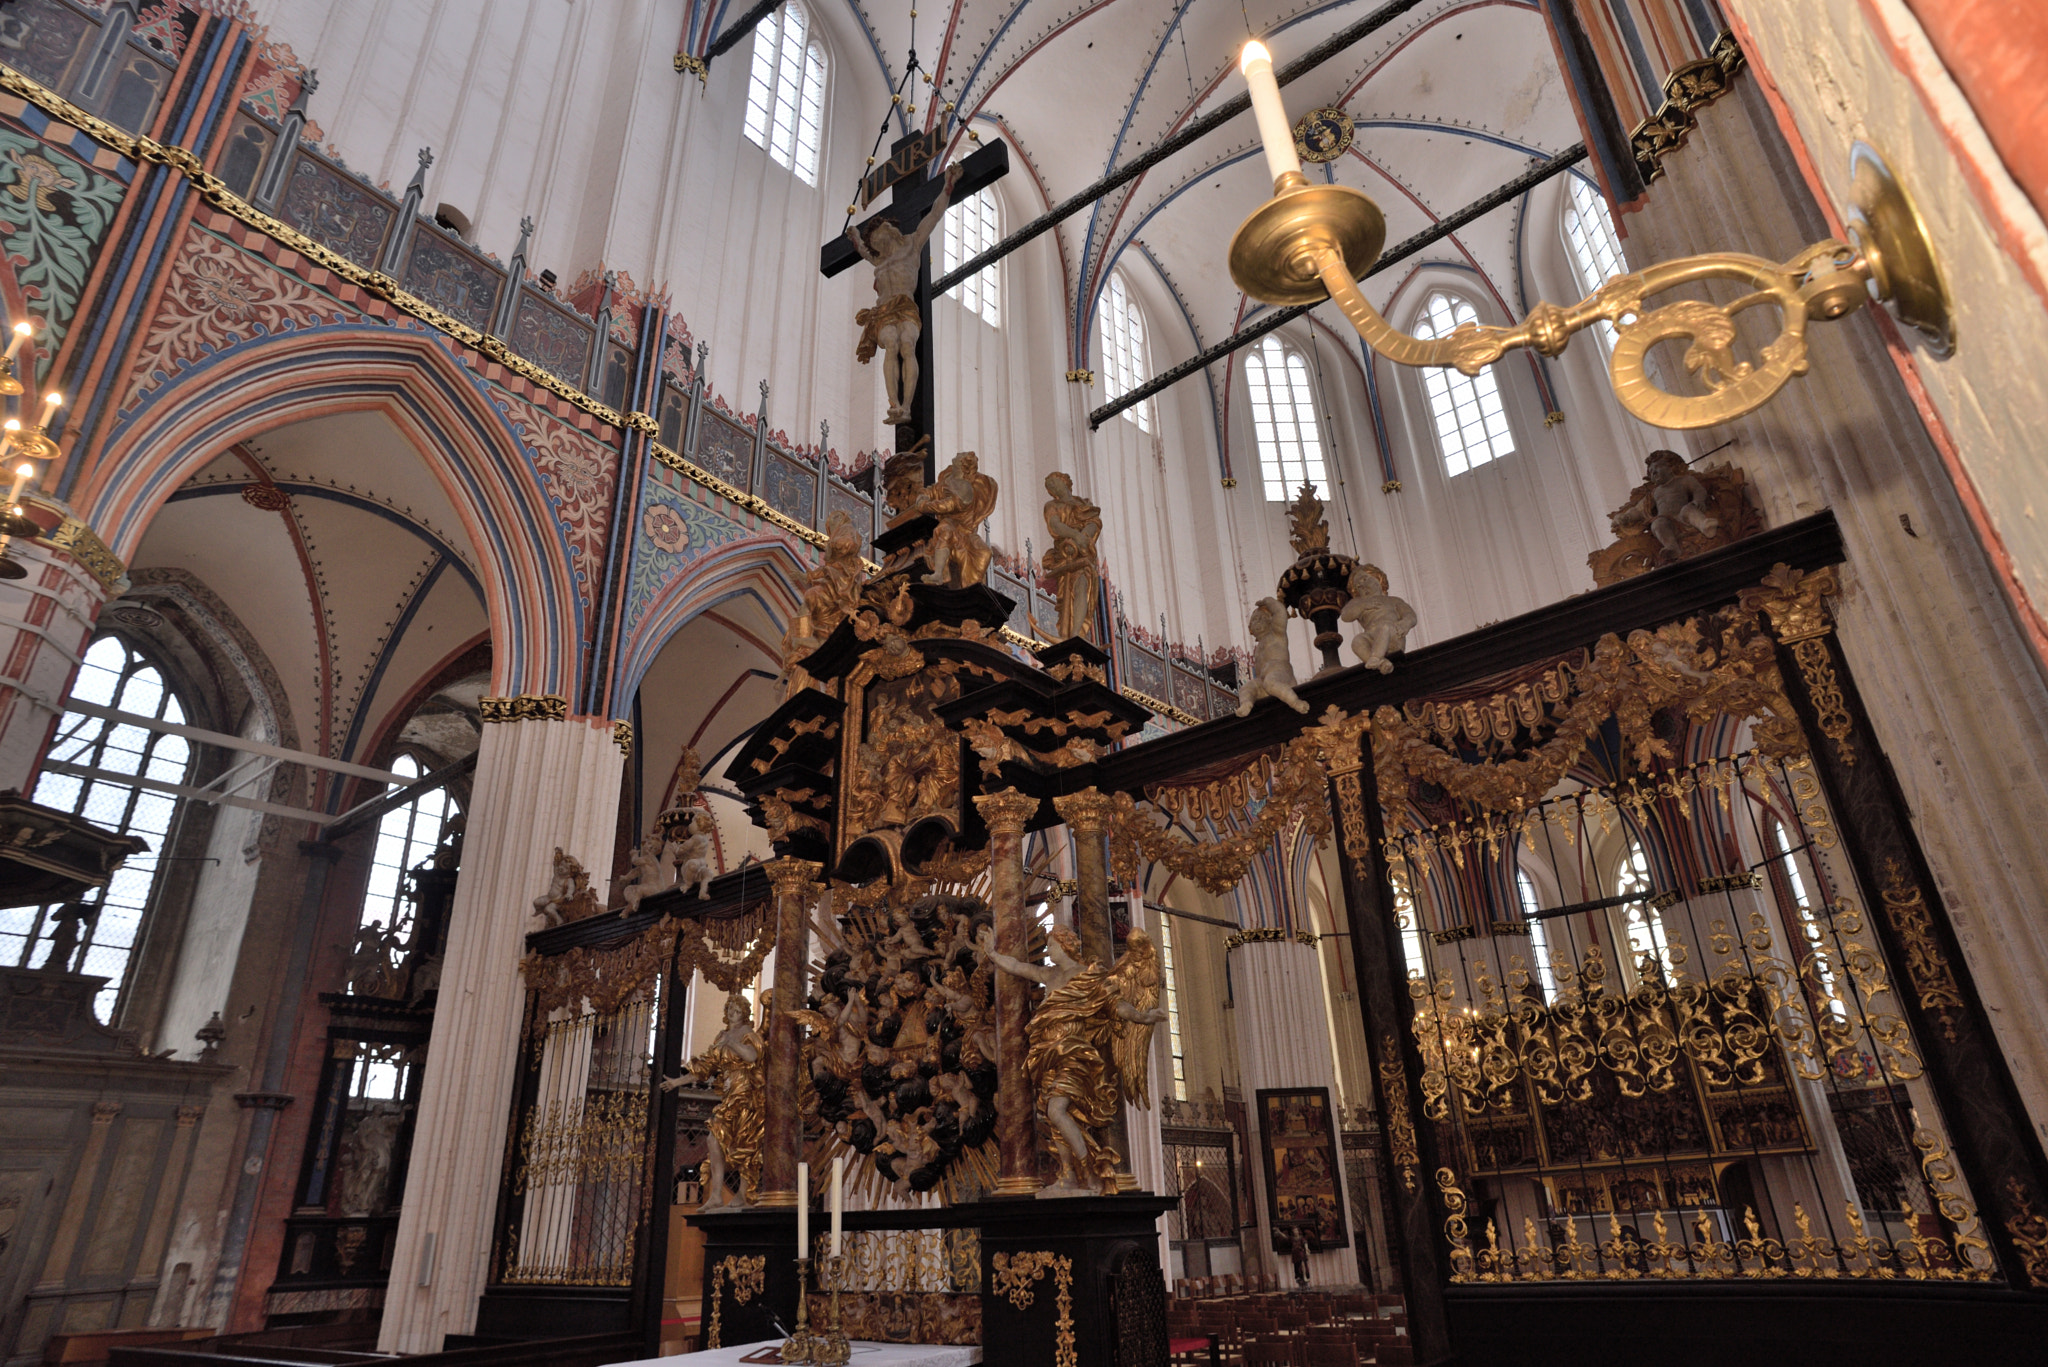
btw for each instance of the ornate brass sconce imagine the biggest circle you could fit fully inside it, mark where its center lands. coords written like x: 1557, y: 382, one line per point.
x: 1313, y: 241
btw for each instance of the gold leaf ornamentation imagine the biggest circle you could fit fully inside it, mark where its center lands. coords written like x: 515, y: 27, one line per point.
x: 1400, y: 1123
x: 1934, y: 982
x: 1015, y: 1276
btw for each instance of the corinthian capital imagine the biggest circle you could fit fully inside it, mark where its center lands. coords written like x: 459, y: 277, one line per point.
x: 793, y: 876
x: 1007, y: 812
x: 1087, y: 811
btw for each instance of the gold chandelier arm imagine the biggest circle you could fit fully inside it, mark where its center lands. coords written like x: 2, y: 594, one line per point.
x: 1826, y: 279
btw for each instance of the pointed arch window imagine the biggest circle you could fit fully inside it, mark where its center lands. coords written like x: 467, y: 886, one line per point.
x: 83, y: 775
x: 1539, y: 936
x: 1284, y: 420
x: 1123, y: 350
x: 971, y: 228
x: 1595, y: 247
x: 786, y: 91
x: 1471, y: 425
x: 1642, y: 924
x: 406, y: 838
x: 1175, y: 1051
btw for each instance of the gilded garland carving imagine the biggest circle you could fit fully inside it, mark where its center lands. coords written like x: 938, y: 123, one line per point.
x: 2029, y: 1232
x: 1294, y: 792
x: 1015, y: 1276
x: 748, y: 1277
x: 595, y: 980
x: 1630, y: 681
x: 1400, y: 1122
x: 1270, y: 935
x: 524, y: 707
x: 1934, y: 981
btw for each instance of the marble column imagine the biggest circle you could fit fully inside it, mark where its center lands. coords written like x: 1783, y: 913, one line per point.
x: 1006, y: 814
x: 46, y: 622
x: 1284, y: 1041
x: 796, y: 888
x: 539, y: 784
x: 1087, y: 816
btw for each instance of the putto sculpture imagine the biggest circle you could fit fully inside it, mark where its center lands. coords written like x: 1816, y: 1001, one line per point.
x: 1075, y: 525
x: 1384, y: 621
x: 1676, y: 499
x: 1272, y: 670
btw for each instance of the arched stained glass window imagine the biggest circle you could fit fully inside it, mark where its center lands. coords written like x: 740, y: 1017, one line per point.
x: 971, y: 228
x: 1123, y: 350
x: 84, y: 775
x: 1471, y: 425
x: 1642, y: 923
x: 786, y: 91
x: 1284, y: 420
x: 406, y: 838
x: 1595, y: 247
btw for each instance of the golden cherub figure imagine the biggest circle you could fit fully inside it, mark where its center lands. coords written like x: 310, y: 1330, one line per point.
x: 960, y: 498
x: 1091, y: 1040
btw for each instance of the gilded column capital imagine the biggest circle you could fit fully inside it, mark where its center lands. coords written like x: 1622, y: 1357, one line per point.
x: 1087, y: 811
x: 523, y: 707
x: 1337, y: 739
x: 1006, y: 812
x: 1794, y: 602
x: 791, y: 876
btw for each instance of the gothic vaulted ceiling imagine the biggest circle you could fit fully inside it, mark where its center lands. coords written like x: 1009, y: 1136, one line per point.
x: 1450, y: 99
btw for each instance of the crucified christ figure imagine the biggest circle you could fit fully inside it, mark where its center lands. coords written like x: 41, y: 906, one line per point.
x: 894, y: 324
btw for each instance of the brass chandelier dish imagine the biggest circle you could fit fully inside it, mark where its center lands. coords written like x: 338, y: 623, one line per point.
x: 1311, y: 242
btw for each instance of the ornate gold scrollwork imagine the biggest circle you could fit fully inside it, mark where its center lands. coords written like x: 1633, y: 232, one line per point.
x: 622, y: 736
x: 1400, y: 1123
x: 84, y: 545
x: 1290, y: 789
x: 2029, y: 1232
x: 523, y: 707
x: 1934, y: 982
x: 1796, y: 604
x: 1016, y: 1274
x: 747, y: 1274
x: 1269, y: 935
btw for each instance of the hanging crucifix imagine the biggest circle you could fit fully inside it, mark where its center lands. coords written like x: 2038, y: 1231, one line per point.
x: 898, y: 327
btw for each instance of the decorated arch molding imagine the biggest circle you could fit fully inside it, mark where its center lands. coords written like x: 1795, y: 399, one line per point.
x: 671, y: 586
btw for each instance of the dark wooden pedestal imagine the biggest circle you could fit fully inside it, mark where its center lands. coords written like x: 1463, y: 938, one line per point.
x: 1079, y: 1285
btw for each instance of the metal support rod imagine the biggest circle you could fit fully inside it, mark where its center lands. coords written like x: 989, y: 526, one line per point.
x: 1436, y: 232
x: 1208, y: 123
x: 226, y: 741
x: 365, y: 812
x: 724, y: 42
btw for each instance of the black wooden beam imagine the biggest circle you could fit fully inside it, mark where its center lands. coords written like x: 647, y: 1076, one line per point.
x: 723, y: 43
x: 1200, y: 128
x: 1436, y: 232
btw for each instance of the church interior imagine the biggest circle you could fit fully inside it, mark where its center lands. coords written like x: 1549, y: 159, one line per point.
x: 1092, y: 686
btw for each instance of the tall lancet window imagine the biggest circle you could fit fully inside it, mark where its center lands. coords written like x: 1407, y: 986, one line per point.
x: 406, y: 838
x: 1284, y: 420
x: 1595, y: 248
x: 1123, y: 350
x: 89, y: 772
x: 971, y: 229
x: 1471, y: 426
x: 786, y: 92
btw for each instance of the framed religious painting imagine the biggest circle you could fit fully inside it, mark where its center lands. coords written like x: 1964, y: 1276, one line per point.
x: 1298, y: 1140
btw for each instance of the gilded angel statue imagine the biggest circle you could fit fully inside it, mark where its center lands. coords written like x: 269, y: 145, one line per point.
x: 1091, y: 1041
x: 961, y: 498
x: 738, y: 1124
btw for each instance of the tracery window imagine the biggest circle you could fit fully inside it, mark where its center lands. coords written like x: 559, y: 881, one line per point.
x: 406, y: 838
x: 1539, y: 938
x: 1284, y: 420
x: 1595, y: 247
x: 1471, y: 426
x: 1812, y: 933
x: 786, y: 91
x: 1123, y: 350
x: 82, y: 775
x: 971, y: 228
x: 1642, y: 923
x: 1173, y: 1044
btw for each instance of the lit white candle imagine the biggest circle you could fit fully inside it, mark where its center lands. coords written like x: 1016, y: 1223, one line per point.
x: 9, y: 430
x: 1275, y: 132
x: 21, y: 477
x: 838, y: 1199
x: 51, y: 402
x: 22, y: 332
x: 803, y: 1210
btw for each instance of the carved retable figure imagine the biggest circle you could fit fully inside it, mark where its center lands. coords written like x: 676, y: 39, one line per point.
x: 1090, y: 1041
x: 1076, y: 526
x: 1272, y: 669
x: 737, y: 1127
x: 893, y: 325
x: 960, y: 498
x: 1676, y: 499
x: 692, y: 855
x: 568, y: 897
x: 832, y: 588
x: 1384, y: 621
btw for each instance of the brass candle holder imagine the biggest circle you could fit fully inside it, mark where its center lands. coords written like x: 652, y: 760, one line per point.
x: 801, y: 1345
x: 1311, y: 242
x: 831, y: 1346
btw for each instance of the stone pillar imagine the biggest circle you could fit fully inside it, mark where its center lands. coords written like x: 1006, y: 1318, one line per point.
x: 796, y: 888
x: 541, y: 781
x: 1284, y: 1041
x: 1006, y: 814
x: 1087, y: 816
x: 46, y: 622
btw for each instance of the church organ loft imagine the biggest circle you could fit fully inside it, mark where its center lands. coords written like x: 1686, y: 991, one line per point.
x: 1187, y: 684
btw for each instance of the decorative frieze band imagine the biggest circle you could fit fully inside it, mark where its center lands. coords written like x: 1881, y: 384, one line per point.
x: 525, y: 707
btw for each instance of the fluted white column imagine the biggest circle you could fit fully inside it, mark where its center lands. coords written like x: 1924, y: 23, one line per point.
x: 1146, y: 1160
x: 538, y: 784
x: 46, y: 621
x: 1283, y: 1040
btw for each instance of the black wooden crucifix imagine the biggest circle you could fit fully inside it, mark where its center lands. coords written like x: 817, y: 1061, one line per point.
x: 908, y: 175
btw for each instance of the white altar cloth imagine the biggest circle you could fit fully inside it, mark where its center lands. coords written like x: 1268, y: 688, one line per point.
x: 863, y: 1355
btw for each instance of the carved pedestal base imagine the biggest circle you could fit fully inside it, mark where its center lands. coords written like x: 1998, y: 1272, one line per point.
x: 1065, y: 1283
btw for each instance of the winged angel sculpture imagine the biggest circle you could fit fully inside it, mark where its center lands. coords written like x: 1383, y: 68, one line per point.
x: 1091, y: 1040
